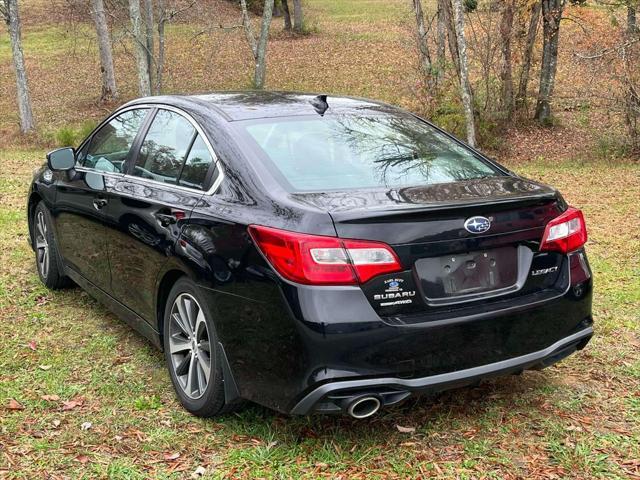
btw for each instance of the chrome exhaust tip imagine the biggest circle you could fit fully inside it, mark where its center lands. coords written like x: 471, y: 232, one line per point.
x: 364, y: 407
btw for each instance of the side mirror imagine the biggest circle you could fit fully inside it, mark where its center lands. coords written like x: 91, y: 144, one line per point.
x: 61, y: 159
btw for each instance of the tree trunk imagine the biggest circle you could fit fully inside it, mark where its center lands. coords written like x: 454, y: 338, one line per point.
x: 447, y: 18
x: 441, y: 32
x: 109, y: 91
x: 551, y: 15
x: 423, y: 46
x: 632, y: 26
x: 298, y: 17
x: 506, y: 77
x: 532, y: 33
x: 632, y: 115
x: 22, y: 89
x: 248, y: 31
x: 261, y: 51
x: 162, y: 19
x: 287, y: 15
x: 148, y: 36
x: 140, y: 49
x: 465, y: 87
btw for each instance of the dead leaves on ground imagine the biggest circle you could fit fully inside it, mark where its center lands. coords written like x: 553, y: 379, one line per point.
x: 14, y: 405
x: 73, y: 403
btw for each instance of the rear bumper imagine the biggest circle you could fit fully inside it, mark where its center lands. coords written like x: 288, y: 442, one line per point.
x: 328, y: 397
x: 292, y: 347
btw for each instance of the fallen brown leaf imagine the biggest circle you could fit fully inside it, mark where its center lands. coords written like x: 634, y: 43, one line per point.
x: 15, y: 405
x: 71, y: 404
x: 402, y: 429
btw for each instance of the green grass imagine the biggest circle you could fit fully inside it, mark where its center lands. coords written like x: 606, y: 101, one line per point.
x: 370, y: 11
x: 581, y: 418
x: 45, y: 42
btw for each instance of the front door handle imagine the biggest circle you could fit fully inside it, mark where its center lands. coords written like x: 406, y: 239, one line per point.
x: 100, y: 203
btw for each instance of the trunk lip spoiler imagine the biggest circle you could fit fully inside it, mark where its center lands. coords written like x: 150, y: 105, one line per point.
x: 360, y: 213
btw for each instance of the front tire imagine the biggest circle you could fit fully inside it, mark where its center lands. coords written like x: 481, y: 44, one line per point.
x: 191, y: 351
x: 48, y: 261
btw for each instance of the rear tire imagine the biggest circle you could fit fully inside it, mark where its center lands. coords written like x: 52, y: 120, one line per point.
x: 48, y: 261
x: 192, y: 352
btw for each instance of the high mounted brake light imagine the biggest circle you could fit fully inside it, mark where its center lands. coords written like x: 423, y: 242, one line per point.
x: 565, y: 233
x: 320, y: 260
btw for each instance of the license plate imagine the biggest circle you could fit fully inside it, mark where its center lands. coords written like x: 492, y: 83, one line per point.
x: 468, y: 273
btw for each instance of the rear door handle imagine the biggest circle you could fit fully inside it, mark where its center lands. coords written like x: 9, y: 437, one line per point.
x: 99, y: 203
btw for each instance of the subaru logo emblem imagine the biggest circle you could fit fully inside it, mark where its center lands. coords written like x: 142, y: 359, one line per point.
x: 477, y: 224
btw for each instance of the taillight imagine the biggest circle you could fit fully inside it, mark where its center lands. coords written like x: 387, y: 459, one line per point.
x: 320, y: 260
x: 565, y: 233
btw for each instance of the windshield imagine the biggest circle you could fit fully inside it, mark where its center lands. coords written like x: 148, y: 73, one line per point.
x: 347, y: 152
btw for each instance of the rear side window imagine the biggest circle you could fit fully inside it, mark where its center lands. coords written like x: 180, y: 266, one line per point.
x: 194, y: 172
x: 165, y: 148
x: 109, y: 147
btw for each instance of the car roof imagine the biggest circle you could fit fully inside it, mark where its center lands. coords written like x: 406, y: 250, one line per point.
x: 248, y: 105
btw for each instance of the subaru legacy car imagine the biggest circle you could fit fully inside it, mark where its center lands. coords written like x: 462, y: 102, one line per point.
x: 311, y: 253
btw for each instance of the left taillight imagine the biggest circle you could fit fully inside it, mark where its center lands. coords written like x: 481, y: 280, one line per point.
x: 565, y: 233
x: 321, y: 260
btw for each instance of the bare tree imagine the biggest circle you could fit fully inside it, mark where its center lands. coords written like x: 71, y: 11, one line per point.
x: 287, y: 15
x: 149, y: 37
x: 551, y: 16
x: 109, y: 90
x: 9, y: 12
x: 163, y: 17
x: 298, y: 16
x: 423, y: 45
x: 632, y: 25
x: 447, y: 19
x: 532, y: 33
x: 140, y: 49
x: 259, y: 46
x: 506, y: 76
x: 465, y: 87
x: 441, y: 36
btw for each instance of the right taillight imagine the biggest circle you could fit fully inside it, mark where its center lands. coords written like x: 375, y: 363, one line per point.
x: 565, y: 233
x: 322, y: 260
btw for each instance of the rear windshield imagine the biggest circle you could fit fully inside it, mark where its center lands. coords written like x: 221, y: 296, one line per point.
x: 350, y: 152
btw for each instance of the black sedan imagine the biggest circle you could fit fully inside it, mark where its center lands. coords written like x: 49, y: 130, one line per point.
x: 311, y: 253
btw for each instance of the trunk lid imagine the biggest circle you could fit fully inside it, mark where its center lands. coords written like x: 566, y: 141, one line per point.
x: 444, y: 264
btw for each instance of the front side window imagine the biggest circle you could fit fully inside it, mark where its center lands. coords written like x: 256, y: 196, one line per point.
x: 165, y: 148
x: 349, y: 152
x: 109, y: 147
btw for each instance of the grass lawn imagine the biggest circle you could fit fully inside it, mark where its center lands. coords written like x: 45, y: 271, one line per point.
x: 83, y: 396
x: 68, y: 361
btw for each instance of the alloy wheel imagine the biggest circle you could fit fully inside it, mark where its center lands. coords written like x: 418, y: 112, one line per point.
x: 42, y: 246
x: 189, y: 346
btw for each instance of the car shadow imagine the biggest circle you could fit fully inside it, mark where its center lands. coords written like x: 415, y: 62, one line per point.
x: 485, y: 405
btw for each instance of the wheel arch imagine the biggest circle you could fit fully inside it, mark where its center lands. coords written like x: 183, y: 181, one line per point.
x: 34, y: 199
x: 166, y: 283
